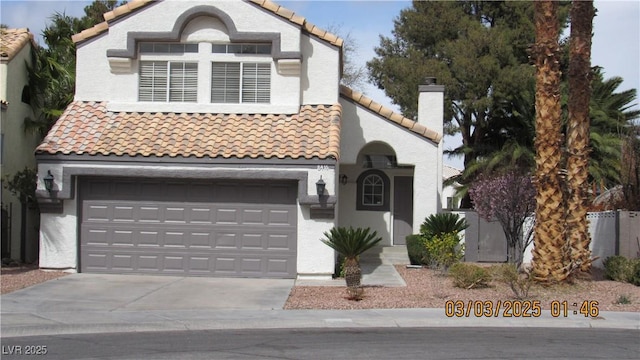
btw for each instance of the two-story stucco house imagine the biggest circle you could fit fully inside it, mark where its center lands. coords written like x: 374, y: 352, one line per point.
x: 200, y: 136
x: 19, y: 223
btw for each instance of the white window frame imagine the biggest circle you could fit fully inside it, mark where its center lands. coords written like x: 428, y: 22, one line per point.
x: 168, y: 83
x: 372, y: 188
x: 253, y: 81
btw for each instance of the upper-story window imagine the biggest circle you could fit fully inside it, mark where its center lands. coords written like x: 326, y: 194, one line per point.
x: 240, y: 82
x: 172, y: 76
x: 173, y: 81
x: 240, y: 73
x: 162, y: 48
x: 259, y: 49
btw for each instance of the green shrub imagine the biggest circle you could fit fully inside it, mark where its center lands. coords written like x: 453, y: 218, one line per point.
x: 623, y: 300
x: 443, y: 250
x: 469, y: 276
x: 520, y: 283
x: 442, y: 223
x: 416, y: 250
x: 618, y: 268
x: 351, y: 243
x: 338, y: 270
x: 635, y: 275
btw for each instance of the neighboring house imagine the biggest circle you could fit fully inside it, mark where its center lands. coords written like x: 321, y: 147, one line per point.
x: 199, y: 134
x: 452, y: 201
x: 19, y: 237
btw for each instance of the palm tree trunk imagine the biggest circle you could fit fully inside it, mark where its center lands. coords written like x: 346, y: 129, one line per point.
x: 582, y: 13
x: 549, y: 245
x: 352, y: 272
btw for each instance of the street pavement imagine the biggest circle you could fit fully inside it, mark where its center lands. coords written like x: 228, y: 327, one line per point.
x: 94, y: 303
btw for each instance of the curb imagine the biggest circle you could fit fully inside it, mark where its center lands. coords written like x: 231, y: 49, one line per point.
x: 188, y: 320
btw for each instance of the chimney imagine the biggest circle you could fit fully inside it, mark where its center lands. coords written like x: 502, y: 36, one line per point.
x: 431, y: 105
x: 431, y: 115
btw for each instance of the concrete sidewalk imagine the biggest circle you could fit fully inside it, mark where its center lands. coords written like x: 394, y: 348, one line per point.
x: 73, y: 322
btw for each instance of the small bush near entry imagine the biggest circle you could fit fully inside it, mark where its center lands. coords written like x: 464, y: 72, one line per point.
x: 618, y: 268
x: 442, y: 223
x: 443, y: 250
x: 469, y: 276
x: 635, y: 275
x: 520, y: 283
x: 416, y: 251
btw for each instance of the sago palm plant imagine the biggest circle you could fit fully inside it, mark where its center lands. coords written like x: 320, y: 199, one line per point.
x: 351, y: 243
x: 442, y: 223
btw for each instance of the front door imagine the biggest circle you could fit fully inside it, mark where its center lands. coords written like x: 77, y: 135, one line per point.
x: 402, y: 208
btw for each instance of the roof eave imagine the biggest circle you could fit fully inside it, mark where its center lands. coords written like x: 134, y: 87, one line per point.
x: 390, y: 115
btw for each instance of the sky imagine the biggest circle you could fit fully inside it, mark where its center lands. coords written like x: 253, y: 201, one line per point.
x: 616, y: 27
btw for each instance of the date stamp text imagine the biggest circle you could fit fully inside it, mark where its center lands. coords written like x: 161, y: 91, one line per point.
x: 518, y: 308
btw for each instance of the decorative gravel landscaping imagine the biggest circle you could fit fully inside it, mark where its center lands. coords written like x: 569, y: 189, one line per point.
x: 430, y: 289
x: 19, y: 277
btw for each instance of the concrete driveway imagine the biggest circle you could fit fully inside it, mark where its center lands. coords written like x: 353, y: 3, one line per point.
x: 96, y: 292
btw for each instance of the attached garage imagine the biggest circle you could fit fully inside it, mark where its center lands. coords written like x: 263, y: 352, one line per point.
x: 195, y: 227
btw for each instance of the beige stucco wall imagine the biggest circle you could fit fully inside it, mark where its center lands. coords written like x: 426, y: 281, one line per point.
x: 17, y: 146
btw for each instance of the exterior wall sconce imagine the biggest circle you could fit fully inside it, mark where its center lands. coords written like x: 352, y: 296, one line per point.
x: 48, y: 181
x: 320, y: 186
x: 343, y: 179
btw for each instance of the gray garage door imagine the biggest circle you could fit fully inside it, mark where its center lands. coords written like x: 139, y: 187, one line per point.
x: 171, y: 227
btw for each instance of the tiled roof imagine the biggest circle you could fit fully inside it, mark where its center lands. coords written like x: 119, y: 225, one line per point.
x: 390, y: 115
x: 299, y: 20
x: 449, y: 172
x: 89, y: 128
x: 265, y: 4
x: 12, y: 41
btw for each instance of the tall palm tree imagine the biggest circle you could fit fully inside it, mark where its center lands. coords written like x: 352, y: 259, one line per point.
x: 549, y: 250
x: 611, y: 116
x: 351, y: 243
x: 630, y: 175
x: 582, y: 13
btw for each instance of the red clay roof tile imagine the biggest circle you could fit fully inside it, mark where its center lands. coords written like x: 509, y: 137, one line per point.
x: 88, y: 128
x: 12, y: 41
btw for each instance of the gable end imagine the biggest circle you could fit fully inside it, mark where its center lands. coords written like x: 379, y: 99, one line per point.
x: 389, y: 115
x: 203, y: 10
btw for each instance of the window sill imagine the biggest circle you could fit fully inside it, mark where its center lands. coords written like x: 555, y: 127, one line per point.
x: 204, y: 108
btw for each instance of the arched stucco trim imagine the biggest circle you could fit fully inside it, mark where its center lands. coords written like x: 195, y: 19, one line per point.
x: 367, y: 150
x: 134, y: 37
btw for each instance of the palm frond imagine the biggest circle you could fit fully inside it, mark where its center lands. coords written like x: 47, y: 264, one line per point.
x: 350, y: 242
